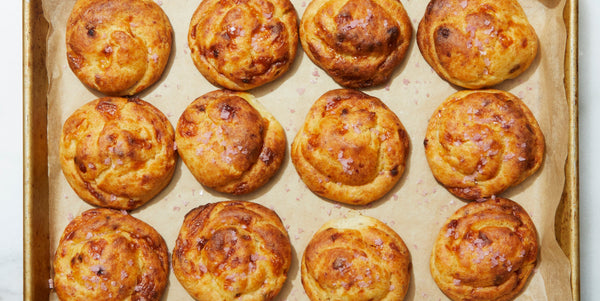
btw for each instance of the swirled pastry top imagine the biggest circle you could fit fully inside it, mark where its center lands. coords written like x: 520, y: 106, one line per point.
x: 118, y: 47
x: 359, y: 43
x: 232, y: 250
x: 243, y: 44
x: 117, y: 152
x: 105, y: 254
x: 230, y: 142
x: 485, y: 251
x: 357, y: 258
x: 477, y: 43
x: 352, y: 148
x: 479, y: 143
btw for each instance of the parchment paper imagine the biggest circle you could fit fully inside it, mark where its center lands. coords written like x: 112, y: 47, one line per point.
x: 416, y: 208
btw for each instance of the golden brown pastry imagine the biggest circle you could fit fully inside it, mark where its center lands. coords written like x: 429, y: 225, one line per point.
x: 230, y: 142
x: 357, y: 258
x: 118, y: 47
x: 352, y: 148
x: 241, y: 45
x: 479, y: 143
x: 233, y: 250
x: 106, y: 254
x: 117, y: 152
x: 485, y: 251
x: 477, y: 43
x: 358, y: 43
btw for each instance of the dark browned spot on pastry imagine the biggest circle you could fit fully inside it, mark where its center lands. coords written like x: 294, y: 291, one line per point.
x: 193, y: 32
x: 241, y: 188
x: 393, y: 34
x: 200, y: 243
x: 201, y: 108
x: 69, y: 235
x: 394, y: 247
x: 394, y: 171
x: 515, y: 68
x: 267, y: 155
x: 186, y: 128
x: 444, y: 32
x: 107, y: 50
x: 339, y: 263
x: 335, y: 236
x: 524, y: 43
x: 425, y: 142
x: 91, y: 30
x: 452, y: 224
x: 107, y: 109
x: 80, y: 165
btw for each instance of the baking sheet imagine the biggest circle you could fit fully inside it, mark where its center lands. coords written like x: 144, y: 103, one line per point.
x: 416, y: 207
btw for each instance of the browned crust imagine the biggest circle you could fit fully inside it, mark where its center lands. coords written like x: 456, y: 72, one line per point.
x: 104, y: 254
x: 240, y: 45
x: 117, y: 152
x: 485, y: 251
x: 118, y: 47
x: 479, y: 143
x: 476, y: 43
x: 229, y: 142
x: 358, y: 258
x: 359, y: 43
x: 352, y: 148
x: 230, y: 250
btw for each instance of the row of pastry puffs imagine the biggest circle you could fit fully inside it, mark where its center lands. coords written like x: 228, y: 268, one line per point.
x: 239, y: 250
x: 120, y: 152
x: 122, y: 47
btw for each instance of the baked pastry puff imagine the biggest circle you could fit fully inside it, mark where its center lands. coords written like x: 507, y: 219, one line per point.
x: 232, y: 250
x: 359, y: 43
x: 352, y: 148
x: 106, y: 254
x: 240, y: 45
x: 118, y: 47
x: 230, y: 142
x: 481, y: 142
x: 477, y: 43
x: 485, y: 251
x: 117, y: 152
x: 356, y: 258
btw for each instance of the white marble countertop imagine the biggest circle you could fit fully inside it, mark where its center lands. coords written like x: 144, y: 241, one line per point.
x: 11, y: 158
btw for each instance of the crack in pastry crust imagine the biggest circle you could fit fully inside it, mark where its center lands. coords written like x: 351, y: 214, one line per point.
x: 106, y: 254
x: 358, y: 43
x: 352, y: 148
x: 118, y: 47
x: 117, y: 152
x: 240, y: 45
x: 485, y: 251
x: 479, y: 143
x: 476, y: 43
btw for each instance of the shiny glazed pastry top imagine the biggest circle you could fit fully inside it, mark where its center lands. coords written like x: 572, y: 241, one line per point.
x: 352, y: 148
x: 240, y: 45
x: 359, y: 43
x: 479, y: 143
x: 477, y: 43
x: 118, y: 47
x: 230, y: 142
x: 232, y: 250
x: 354, y: 259
x: 485, y: 251
x: 117, y: 152
x: 106, y: 254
